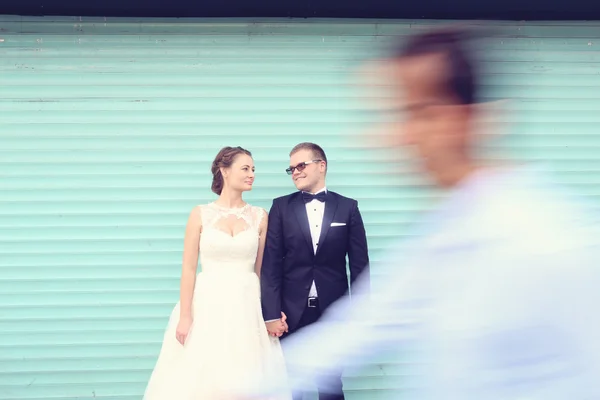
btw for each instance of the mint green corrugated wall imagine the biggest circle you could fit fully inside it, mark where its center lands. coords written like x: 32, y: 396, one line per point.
x: 108, y: 128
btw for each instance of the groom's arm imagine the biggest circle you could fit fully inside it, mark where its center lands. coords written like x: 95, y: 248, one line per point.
x: 272, y: 266
x: 358, y: 252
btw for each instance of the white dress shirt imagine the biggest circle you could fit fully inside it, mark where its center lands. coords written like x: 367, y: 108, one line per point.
x: 314, y: 211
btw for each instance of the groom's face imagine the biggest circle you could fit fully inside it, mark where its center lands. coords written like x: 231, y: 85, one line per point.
x: 311, y: 175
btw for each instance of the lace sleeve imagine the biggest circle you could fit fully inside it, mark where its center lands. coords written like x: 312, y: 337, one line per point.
x: 258, y: 216
x: 204, y: 215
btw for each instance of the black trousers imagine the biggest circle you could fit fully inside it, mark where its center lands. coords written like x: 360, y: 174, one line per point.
x: 333, y: 383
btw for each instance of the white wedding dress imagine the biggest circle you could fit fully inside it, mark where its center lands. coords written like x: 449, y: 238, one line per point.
x: 228, y: 343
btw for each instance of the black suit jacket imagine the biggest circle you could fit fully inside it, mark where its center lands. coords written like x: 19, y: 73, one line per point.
x: 290, y: 264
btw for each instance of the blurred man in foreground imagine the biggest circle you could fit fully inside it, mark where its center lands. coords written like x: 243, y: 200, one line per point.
x: 499, y: 289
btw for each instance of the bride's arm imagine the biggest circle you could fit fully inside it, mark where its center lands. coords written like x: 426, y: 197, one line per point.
x: 262, y: 230
x: 191, y: 245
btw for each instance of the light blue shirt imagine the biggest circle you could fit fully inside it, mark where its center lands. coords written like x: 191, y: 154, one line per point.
x: 497, y: 296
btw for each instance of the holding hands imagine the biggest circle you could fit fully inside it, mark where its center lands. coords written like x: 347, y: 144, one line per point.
x: 278, y: 327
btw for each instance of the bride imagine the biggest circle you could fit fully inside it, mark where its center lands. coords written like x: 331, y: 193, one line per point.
x: 216, y: 335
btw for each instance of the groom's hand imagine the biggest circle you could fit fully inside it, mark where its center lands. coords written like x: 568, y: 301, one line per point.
x: 283, y: 321
x: 275, y: 328
x: 278, y: 327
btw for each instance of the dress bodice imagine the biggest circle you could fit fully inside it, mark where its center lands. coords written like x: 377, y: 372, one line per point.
x: 223, y: 251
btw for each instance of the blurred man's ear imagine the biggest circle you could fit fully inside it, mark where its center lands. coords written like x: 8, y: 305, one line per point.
x: 491, y: 125
x: 491, y: 119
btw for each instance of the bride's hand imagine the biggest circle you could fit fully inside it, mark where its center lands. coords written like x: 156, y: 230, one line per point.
x: 183, y: 329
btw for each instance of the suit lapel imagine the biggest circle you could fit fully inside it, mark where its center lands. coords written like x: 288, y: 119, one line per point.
x: 300, y: 211
x: 330, y: 207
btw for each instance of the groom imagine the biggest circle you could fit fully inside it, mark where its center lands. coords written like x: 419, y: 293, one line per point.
x: 304, y: 267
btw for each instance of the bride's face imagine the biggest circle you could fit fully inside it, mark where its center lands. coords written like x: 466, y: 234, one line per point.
x: 240, y: 176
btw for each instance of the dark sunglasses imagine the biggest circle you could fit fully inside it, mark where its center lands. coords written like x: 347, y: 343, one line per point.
x: 300, y: 167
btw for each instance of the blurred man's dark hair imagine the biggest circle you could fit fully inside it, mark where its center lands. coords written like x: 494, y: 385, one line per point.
x: 453, y: 44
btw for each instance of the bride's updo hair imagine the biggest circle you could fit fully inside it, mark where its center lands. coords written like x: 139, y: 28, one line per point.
x: 224, y: 159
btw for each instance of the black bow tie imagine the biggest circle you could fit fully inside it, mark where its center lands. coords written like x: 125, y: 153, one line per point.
x: 322, y: 196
